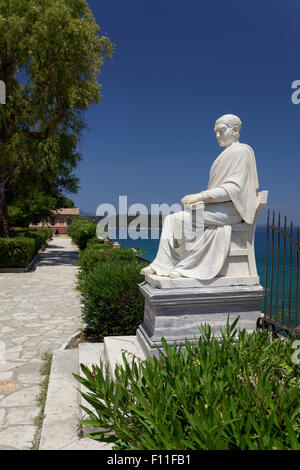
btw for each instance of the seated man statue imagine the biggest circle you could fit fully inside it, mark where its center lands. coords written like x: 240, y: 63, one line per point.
x: 230, y: 199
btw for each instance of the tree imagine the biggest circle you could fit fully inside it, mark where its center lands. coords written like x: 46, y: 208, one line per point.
x: 64, y: 202
x: 31, y: 198
x: 35, y: 207
x: 51, y: 54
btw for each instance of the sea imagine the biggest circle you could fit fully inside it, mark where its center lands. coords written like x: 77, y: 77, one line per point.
x: 279, y: 304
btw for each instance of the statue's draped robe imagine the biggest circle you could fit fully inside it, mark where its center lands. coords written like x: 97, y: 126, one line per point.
x: 230, y: 198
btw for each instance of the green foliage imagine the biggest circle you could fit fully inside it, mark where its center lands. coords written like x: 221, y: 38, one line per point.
x: 108, y: 280
x: 48, y: 232
x: 38, y: 236
x: 97, y: 241
x: 16, y: 252
x: 24, y: 209
x: 51, y: 56
x: 64, y: 202
x: 81, y: 231
x: 30, y: 209
x: 112, y: 303
x: 58, y: 46
x: 96, y: 253
x: 209, y: 396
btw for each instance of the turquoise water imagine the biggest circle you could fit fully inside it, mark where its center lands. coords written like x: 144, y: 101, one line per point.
x: 150, y: 247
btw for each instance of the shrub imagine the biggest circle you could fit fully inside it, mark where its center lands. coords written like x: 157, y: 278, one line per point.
x: 48, y: 232
x: 102, y: 253
x: 81, y: 231
x: 39, y: 236
x: 209, y: 396
x: 97, y: 241
x: 112, y: 303
x: 16, y: 252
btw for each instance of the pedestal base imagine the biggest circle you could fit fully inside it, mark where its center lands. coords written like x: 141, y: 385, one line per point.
x: 177, y: 313
x: 164, y: 282
x: 116, y: 346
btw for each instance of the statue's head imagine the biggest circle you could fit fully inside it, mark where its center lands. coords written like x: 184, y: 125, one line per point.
x: 227, y: 129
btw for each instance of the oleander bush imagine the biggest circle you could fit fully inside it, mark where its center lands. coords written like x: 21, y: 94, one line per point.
x: 16, y: 252
x: 112, y: 302
x: 231, y: 395
x: 81, y: 231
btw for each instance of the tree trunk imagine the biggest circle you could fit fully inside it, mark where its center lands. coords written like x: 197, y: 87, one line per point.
x: 4, y: 227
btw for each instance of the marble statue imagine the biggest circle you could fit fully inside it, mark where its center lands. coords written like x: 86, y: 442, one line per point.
x: 230, y: 199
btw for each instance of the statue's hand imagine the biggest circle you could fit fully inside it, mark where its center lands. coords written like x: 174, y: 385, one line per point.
x: 191, y: 199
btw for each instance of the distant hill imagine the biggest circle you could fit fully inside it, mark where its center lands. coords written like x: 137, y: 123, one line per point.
x: 85, y: 214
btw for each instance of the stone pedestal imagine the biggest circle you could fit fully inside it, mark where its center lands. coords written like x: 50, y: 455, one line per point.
x: 176, y: 313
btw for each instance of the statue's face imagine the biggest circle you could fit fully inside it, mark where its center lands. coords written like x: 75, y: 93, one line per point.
x: 226, y: 135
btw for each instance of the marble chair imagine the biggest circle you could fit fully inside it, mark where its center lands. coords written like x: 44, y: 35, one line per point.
x: 241, y: 258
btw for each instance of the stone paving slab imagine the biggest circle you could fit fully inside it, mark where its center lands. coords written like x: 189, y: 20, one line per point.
x: 39, y: 311
x: 62, y: 411
x: 89, y: 354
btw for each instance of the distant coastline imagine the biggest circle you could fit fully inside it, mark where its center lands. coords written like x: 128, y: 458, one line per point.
x: 146, y: 222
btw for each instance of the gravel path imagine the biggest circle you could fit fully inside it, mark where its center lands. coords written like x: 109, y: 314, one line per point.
x: 39, y: 311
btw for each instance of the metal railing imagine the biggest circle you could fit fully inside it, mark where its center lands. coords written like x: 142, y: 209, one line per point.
x: 281, y: 279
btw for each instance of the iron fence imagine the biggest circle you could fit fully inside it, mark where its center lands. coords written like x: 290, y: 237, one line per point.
x: 281, y: 279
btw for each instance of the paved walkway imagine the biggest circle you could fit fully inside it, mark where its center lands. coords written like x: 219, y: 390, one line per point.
x: 39, y: 311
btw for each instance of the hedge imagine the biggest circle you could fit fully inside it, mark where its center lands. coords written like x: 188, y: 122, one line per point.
x: 95, y: 253
x: 38, y: 236
x: 16, y: 252
x: 48, y: 231
x: 112, y: 302
x: 81, y: 231
x: 97, y: 241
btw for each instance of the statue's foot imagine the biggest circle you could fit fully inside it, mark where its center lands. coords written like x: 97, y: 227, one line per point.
x: 147, y: 271
x: 174, y: 275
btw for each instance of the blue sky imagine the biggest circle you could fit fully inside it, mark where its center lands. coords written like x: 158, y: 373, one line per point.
x: 178, y: 66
